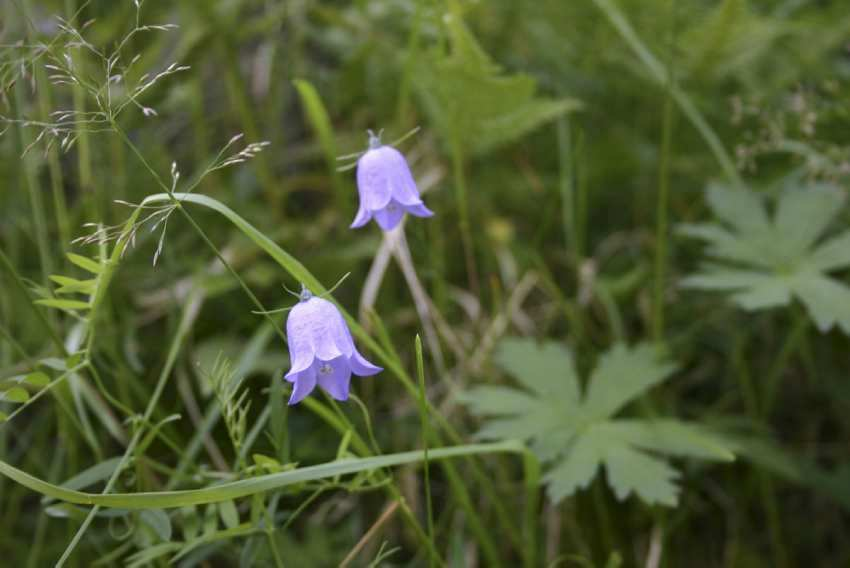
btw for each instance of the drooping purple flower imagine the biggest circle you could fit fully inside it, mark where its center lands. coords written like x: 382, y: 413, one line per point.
x: 386, y: 187
x: 321, y: 349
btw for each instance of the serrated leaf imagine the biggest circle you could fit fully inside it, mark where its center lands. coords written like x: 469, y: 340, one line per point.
x: 472, y: 103
x: 545, y: 368
x: 803, y: 215
x: 64, y: 304
x: 576, y: 469
x: 86, y: 264
x: 621, y: 375
x: 833, y: 254
x: 743, y: 210
x: 576, y: 434
x: 777, y: 259
x: 650, y: 478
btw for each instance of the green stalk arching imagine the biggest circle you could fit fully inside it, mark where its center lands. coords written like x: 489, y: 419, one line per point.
x: 247, y: 487
x: 300, y: 273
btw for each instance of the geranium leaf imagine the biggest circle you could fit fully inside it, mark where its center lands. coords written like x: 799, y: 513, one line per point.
x: 621, y: 375
x: 781, y: 259
x: 576, y: 434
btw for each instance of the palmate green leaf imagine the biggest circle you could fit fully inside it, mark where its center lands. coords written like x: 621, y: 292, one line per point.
x: 577, y: 434
x: 767, y: 262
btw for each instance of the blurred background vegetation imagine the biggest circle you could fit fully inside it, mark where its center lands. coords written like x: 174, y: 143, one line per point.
x: 561, y: 144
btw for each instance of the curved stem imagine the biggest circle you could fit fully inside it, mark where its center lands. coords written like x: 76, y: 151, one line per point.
x: 251, y: 486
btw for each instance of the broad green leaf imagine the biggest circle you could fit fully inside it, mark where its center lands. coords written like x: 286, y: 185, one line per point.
x: 673, y: 437
x: 650, y: 478
x: 577, y: 434
x: 621, y: 375
x: 545, y: 368
x: 803, y: 215
x: 827, y: 300
x: 779, y: 259
x: 85, y: 263
x: 743, y: 210
x: 725, y: 245
x: 576, y: 470
x: 833, y: 254
x: 37, y: 379
x: 14, y: 394
x: 64, y: 304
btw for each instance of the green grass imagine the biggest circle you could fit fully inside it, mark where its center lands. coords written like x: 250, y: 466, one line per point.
x: 563, y: 147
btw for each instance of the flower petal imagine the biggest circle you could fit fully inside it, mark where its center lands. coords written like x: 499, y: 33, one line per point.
x: 390, y: 216
x: 373, y: 184
x: 361, y: 367
x: 337, y: 380
x: 402, y: 184
x: 305, y: 382
x: 363, y: 216
x: 419, y: 210
x: 301, y: 352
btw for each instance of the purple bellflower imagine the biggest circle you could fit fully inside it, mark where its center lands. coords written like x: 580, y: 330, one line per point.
x: 321, y: 349
x: 386, y: 187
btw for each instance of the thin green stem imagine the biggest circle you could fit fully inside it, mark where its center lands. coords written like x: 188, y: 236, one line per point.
x: 461, y: 194
x: 423, y: 415
x: 661, y: 226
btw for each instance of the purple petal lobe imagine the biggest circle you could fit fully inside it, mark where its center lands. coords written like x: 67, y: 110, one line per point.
x: 419, y: 210
x: 363, y: 216
x: 335, y: 377
x: 361, y: 367
x: 373, y: 182
x: 305, y: 382
x: 390, y: 216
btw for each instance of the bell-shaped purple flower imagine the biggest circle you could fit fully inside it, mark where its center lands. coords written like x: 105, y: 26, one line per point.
x: 321, y: 349
x: 386, y: 187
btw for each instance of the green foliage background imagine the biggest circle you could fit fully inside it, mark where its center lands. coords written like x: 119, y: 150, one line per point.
x: 639, y: 209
